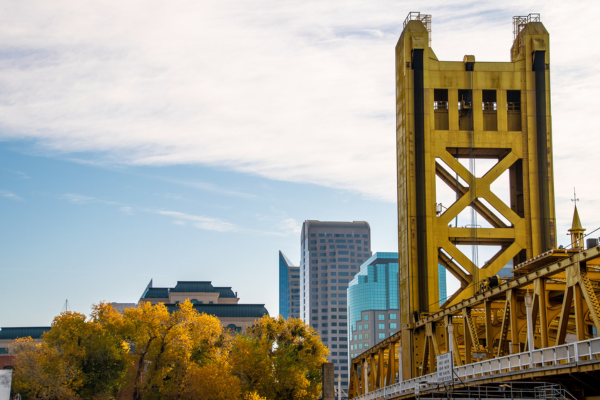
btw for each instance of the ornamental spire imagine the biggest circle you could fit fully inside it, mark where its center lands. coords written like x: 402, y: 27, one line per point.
x: 576, y: 230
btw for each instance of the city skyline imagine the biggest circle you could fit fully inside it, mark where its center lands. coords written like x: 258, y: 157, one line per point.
x: 148, y: 152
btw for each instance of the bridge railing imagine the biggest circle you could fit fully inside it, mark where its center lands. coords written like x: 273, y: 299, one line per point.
x: 549, y: 356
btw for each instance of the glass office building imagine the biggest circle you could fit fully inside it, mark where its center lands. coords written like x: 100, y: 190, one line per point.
x: 442, y: 281
x: 373, y: 302
x: 289, y: 288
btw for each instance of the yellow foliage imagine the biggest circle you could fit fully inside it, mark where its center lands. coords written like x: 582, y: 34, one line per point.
x: 151, y: 353
x: 280, y: 359
x: 167, y: 347
x: 40, y: 373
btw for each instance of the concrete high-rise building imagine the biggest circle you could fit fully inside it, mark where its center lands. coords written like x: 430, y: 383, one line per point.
x: 289, y: 288
x: 331, y: 253
x: 373, y: 302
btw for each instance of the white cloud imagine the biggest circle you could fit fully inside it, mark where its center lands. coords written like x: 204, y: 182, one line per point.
x: 199, y: 221
x: 206, y: 186
x: 78, y: 199
x: 126, y: 210
x: 296, y: 91
x: 290, y: 225
x: 10, y: 195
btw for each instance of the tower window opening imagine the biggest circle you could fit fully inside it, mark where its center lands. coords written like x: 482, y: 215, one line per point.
x: 440, y: 107
x: 513, y: 109
x: 490, y: 108
x: 489, y: 100
x: 465, y: 110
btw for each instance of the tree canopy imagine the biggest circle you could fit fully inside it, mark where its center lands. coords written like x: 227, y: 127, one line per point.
x: 147, y: 352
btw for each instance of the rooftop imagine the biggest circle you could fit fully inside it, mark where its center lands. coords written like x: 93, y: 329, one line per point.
x: 187, y: 287
x: 334, y: 224
x: 228, y: 310
x: 35, y: 332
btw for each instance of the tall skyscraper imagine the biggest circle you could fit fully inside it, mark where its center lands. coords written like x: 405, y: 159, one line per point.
x: 331, y: 255
x: 289, y: 288
x: 373, y: 302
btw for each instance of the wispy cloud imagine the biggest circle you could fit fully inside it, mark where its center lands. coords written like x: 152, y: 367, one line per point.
x: 206, y: 186
x: 10, y: 195
x: 290, y: 225
x: 126, y: 210
x: 165, y: 86
x: 178, y: 218
x: 199, y: 221
x: 78, y: 199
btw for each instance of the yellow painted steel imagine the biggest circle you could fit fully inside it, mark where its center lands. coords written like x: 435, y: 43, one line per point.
x: 494, y: 322
x: 496, y: 133
x: 447, y: 112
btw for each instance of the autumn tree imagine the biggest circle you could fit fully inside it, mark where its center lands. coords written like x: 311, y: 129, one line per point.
x: 153, y: 352
x: 279, y: 359
x: 40, y: 373
x: 178, y: 353
x: 77, y: 358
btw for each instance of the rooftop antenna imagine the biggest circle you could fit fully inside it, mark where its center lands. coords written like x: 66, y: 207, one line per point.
x: 66, y: 306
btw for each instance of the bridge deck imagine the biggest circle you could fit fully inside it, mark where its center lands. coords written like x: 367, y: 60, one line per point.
x: 551, y: 362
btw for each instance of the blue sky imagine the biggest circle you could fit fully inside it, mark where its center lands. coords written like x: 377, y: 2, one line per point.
x: 188, y: 140
x: 88, y: 233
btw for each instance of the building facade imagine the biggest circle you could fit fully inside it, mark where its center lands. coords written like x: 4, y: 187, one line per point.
x: 221, y: 302
x: 331, y: 253
x: 289, y: 288
x: 9, y: 335
x: 373, y: 302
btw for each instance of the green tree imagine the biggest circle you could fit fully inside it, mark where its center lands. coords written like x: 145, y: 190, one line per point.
x: 279, y: 359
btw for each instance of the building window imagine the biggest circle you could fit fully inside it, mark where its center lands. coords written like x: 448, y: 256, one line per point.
x: 360, y: 346
x: 381, y: 335
x: 381, y: 317
x: 366, y: 335
x: 381, y: 326
x: 194, y: 301
x: 366, y: 317
x: 393, y: 325
x: 392, y: 316
x: 360, y: 337
x: 360, y: 327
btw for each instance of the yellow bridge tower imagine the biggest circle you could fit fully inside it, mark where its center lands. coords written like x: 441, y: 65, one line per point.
x: 447, y: 111
x: 542, y: 321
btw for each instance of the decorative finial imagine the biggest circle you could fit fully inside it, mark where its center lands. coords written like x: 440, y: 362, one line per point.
x: 574, y: 199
